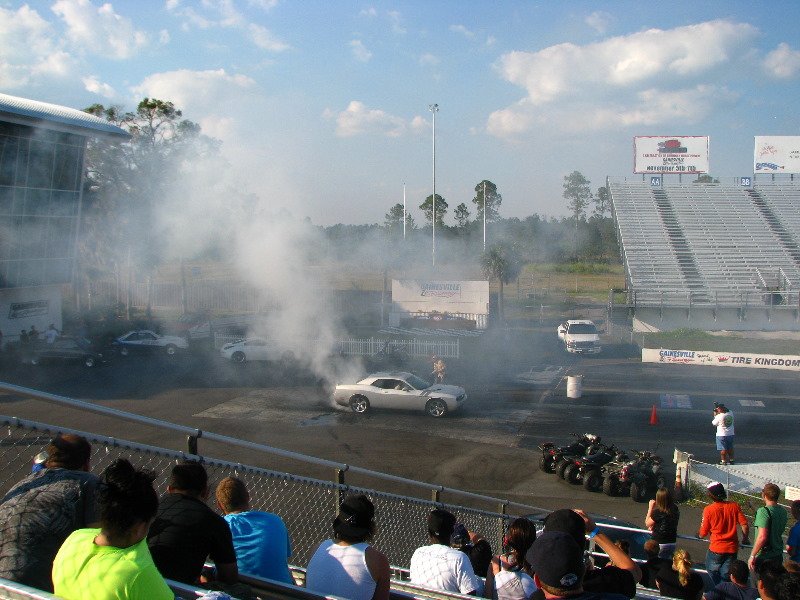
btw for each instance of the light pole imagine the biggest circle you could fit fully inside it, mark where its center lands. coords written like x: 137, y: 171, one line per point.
x: 434, y: 108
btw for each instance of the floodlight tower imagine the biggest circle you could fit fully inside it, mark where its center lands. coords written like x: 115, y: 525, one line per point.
x: 434, y: 108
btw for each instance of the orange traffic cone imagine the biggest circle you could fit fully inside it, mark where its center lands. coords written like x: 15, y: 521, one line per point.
x: 653, y: 416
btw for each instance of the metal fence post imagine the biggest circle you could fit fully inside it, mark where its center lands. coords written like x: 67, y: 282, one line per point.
x: 191, y: 443
x: 338, y: 478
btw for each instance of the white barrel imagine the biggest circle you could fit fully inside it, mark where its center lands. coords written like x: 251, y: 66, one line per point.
x: 574, y: 386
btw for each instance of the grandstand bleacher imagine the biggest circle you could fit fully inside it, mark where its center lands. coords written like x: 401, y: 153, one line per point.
x: 713, y: 245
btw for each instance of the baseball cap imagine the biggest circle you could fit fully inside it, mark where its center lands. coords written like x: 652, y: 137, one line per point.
x: 717, y: 489
x: 460, y: 535
x: 355, y: 516
x: 557, y: 560
x: 567, y: 521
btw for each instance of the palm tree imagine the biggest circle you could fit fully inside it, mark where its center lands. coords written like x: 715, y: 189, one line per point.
x: 502, y: 263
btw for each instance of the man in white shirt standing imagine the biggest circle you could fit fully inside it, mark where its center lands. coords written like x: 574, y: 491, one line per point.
x: 723, y: 421
x: 439, y: 566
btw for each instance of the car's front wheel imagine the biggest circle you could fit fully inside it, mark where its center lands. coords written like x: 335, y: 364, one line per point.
x: 89, y: 361
x: 34, y: 360
x: 171, y: 349
x: 436, y: 408
x: 239, y: 358
x: 124, y: 351
x: 359, y: 404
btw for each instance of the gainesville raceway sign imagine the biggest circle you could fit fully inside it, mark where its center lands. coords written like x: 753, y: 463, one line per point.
x: 721, y: 359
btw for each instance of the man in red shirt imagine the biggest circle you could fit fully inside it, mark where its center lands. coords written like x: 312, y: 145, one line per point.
x: 720, y: 519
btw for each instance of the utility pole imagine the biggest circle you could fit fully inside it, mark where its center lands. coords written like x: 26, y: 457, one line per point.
x: 434, y: 108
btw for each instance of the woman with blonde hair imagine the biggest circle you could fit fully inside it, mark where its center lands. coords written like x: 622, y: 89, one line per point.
x: 679, y: 580
x: 662, y: 521
x: 510, y: 575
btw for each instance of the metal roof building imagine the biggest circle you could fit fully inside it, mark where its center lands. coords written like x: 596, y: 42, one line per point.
x: 42, y: 150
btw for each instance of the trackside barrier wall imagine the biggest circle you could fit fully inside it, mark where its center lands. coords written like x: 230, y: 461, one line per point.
x: 747, y: 480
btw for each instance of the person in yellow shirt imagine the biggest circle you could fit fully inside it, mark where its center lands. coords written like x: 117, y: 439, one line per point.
x: 114, y: 562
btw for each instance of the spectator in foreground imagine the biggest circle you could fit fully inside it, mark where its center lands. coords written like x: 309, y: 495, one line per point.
x: 788, y: 586
x: 347, y: 566
x: 260, y: 539
x: 40, y: 511
x: 186, y: 532
x: 113, y: 562
x: 662, y: 521
x: 720, y: 520
x: 793, y: 541
x: 510, y: 575
x: 653, y: 565
x: 735, y: 589
x: 618, y: 579
x: 768, y: 578
x: 679, y: 580
x: 474, y: 546
x: 438, y: 566
x: 771, y: 522
x: 559, y: 567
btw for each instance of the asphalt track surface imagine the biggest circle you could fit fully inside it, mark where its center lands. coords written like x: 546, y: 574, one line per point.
x: 488, y: 447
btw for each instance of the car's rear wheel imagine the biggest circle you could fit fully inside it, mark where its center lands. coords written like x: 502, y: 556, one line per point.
x: 359, y: 404
x: 436, y: 408
x: 170, y: 349
x: 238, y: 357
x: 34, y: 360
x: 89, y: 361
x: 124, y: 351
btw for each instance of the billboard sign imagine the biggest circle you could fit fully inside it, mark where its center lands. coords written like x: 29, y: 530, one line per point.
x: 777, y: 154
x: 673, y: 154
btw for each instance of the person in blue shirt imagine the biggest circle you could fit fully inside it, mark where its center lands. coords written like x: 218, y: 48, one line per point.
x: 260, y: 539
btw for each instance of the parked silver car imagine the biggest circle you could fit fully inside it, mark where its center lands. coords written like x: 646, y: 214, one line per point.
x: 399, y: 390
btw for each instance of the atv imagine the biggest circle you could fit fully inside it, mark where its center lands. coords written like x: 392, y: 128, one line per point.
x: 552, y: 454
x: 638, y: 477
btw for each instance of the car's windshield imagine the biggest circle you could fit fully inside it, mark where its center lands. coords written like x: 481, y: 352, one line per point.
x: 582, y: 328
x: 417, y: 382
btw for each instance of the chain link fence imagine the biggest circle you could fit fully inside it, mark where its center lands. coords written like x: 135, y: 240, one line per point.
x: 306, y: 505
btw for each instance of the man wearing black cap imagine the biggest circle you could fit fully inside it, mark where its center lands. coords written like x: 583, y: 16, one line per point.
x: 40, y: 512
x: 439, y: 566
x: 618, y: 579
x: 347, y: 566
x: 559, y: 568
x: 720, y: 519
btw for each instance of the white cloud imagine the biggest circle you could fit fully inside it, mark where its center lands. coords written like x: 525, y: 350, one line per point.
x: 360, y: 52
x: 599, y: 21
x: 29, y: 50
x: 428, y: 60
x: 396, y: 20
x: 783, y: 62
x: 620, y: 72
x: 206, y: 97
x: 93, y: 84
x: 99, y: 30
x: 263, y: 38
x: 369, y: 12
x: 357, y: 119
x: 460, y: 29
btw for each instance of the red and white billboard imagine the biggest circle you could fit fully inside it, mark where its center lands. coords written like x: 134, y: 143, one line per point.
x: 777, y: 154
x: 670, y: 154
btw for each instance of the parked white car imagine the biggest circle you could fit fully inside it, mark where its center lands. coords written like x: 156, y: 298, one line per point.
x: 144, y: 340
x: 255, y: 349
x: 399, y: 390
x: 580, y: 337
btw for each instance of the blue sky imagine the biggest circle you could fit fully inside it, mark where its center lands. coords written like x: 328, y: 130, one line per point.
x: 322, y: 106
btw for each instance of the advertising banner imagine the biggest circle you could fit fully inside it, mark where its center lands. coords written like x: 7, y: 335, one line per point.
x: 448, y: 304
x: 721, y: 359
x: 777, y: 154
x: 675, y: 154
